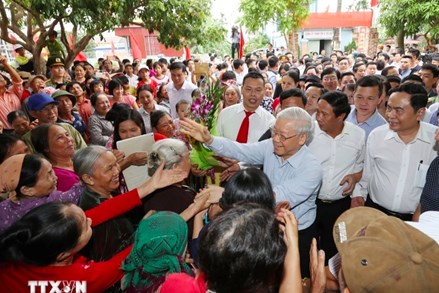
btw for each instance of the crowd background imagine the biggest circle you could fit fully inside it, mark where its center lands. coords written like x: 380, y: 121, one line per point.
x: 331, y: 133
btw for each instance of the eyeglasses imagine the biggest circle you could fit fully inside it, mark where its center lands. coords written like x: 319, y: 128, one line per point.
x: 282, y: 137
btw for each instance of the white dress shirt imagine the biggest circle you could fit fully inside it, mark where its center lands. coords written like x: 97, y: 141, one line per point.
x: 184, y: 93
x: 230, y: 120
x: 339, y: 156
x: 394, y: 172
x: 147, y: 117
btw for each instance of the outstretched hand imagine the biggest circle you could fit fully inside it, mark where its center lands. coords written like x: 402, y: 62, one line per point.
x: 163, y: 178
x: 195, y: 130
x: 317, y: 268
x: 289, y: 227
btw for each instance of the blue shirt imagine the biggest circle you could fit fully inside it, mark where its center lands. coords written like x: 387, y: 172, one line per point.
x: 296, y: 180
x: 370, y: 124
x: 434, y: 118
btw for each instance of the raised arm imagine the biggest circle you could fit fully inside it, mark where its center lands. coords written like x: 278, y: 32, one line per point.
x: 14, y: 75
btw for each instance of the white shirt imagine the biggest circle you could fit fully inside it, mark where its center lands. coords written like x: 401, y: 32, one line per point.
x: 147, y: 117
x: 184, y: 93
x: 230, y: 120
x: 133, y: 80
x: 393, y: 171
x: 339, y: 156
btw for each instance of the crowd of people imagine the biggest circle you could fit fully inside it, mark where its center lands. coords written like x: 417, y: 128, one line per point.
x: 328, y: 175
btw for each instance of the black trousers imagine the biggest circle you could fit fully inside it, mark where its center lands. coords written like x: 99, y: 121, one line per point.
x: 370, y: 203
x: 305, y: 239
x: 235, y: 47
x: 327, y: 214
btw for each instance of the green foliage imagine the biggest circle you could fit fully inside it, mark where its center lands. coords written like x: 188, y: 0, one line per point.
x: 212, y: 39
x: 350, y: 47
x: 256, y: 42
x: 288, y: 14
x: 177, y: 22
x: 410, y: 16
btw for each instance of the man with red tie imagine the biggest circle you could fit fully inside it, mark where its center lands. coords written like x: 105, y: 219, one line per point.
x: 247, y: 121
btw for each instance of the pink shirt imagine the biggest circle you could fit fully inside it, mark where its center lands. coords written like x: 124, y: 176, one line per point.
x: 66, y: 178
x: 126, y: 99
x: 10, y: 101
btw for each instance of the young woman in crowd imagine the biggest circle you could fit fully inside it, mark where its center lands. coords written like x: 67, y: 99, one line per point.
x: 83, y: 105
x: 116, y: 92
x: 145, y: 97
x: 145, y: 79
x: 162, y: 97
x: 159, y: 77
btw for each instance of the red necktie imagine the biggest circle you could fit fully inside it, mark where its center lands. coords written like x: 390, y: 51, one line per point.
x: 243, y: 130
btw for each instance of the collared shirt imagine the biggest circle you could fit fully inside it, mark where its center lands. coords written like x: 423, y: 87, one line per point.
x: 405, y: 73
x: 147, y: 118
x: 100, y: 129
x: 339, y: 156
x: 393, y: 171
x: 133, y: 80
x: 230, y: 120
x: 184, y: 93
x: 295, y: 180
x: 370, y: 124
x: 10, y: 101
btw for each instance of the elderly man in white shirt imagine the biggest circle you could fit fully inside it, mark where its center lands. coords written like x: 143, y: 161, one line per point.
x: 398, y: 155
x: 340, y: 148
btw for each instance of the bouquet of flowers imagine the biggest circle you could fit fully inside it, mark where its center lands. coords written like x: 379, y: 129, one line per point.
x: 205, y: 111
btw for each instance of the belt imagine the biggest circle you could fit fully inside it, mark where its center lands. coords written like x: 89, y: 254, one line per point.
x: 328, y: 202
x: 404, y: 217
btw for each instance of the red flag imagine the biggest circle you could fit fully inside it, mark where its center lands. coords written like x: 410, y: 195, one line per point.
x: 373, y: 3
x: 187, y: 53
x: 241, y: 44
x: 135, y: 47
x: 80, y: 56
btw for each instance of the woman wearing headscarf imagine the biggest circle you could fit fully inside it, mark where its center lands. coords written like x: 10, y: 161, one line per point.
x: 159, y: 249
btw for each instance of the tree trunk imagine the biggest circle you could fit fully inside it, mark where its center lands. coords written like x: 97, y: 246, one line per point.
x: 292, y: 39
x: 400, y: 39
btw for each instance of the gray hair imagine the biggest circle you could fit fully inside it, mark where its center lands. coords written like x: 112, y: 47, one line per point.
x: 85, y: 159
x: 303, y: 121
x: 169, y: 150
x: 236, y: 89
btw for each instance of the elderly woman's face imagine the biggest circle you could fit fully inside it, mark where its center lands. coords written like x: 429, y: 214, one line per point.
x: 60, y: 142
x: 105, y: 176
x: 46, y: 181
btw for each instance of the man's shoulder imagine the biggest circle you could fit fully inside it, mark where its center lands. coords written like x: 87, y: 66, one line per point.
x: 189, y: 86
x: 230, y: 110
x: 354, y: 129
x: 379, y: 132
